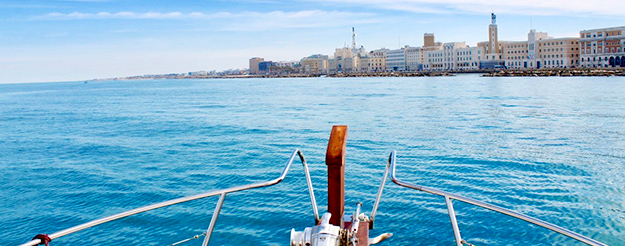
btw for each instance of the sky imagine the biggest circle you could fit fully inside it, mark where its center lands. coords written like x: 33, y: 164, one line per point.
x: 74, y: 40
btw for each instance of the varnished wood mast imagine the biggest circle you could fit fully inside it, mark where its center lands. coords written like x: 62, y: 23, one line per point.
x: 335, y: 160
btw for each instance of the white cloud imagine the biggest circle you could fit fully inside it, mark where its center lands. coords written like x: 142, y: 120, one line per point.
x: 277, y: 15
x: 118, y: 15
x: 243, y: 21
x: 523, y: 7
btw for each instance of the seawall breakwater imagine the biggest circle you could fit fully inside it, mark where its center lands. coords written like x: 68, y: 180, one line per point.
x: 556, y: 72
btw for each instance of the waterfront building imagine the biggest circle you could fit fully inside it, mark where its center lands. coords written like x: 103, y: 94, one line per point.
x: 315, y: 64
x: 374, y: 61
x: 347, y: 60
x: 396, y: 60
x: 468, y: 58
x: 254, y: 69
x: 516, y: 55
x: 491, y: 60
x: 434, y: 59
x: 198, y: 73
x: 532, y: 48
x: 344, y: 60
x: 603, y: 47
x: 431, y: 53
x: 414, y: 58
x: 287, y: 64
x: 558, y: 53
x: 450, y: 56
x: 541, y: 51
x: 332, y: 66
x: 265, y: 67
x: 380, y: 55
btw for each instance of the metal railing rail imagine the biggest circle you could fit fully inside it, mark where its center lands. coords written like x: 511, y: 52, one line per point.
x: 221, y: 192
x: 452, y: 216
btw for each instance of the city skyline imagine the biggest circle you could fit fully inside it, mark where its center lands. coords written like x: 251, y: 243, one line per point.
x: 47, y: 41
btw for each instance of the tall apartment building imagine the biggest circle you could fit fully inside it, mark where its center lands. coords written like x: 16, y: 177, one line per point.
x: 254, y: 69
x: 604, y: 47
x: 428, y: 40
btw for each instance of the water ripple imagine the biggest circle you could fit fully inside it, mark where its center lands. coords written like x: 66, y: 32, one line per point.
x: 547, y: 147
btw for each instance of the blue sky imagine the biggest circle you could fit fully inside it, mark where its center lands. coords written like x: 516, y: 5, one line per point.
x: 69, y: 40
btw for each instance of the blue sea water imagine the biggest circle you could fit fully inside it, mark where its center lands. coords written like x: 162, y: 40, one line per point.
x: 552, y: 148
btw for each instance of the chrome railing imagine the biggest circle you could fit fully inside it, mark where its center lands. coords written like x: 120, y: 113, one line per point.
x: 452, y: 215
x: 222, y: 195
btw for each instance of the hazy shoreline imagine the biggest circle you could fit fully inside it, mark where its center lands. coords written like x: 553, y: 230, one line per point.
x: 564, y: 72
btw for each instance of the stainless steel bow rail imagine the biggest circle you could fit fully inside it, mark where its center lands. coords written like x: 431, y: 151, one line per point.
x: 452, y: 215
x: 222, y: 195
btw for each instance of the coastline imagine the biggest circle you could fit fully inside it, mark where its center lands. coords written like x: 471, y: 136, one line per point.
x: 568, y: 72
x: 563, y: 72
x: 291, y: 75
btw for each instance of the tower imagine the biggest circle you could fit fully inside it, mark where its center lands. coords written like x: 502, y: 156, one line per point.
x: 254, y: 64
x: 353, y: 39
x: 493, y: 42
x: 428, y: 39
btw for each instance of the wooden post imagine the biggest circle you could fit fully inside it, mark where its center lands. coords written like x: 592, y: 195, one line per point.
x: 335, y: 160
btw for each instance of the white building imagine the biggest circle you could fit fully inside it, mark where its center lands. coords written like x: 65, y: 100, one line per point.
x: 434, y: 59
x: 396, y: 60
x: 468, y: 58
x: 450, y: 56
x: 414, y: 58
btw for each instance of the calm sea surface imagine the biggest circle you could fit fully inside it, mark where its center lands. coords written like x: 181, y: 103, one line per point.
x: 552, y: 148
